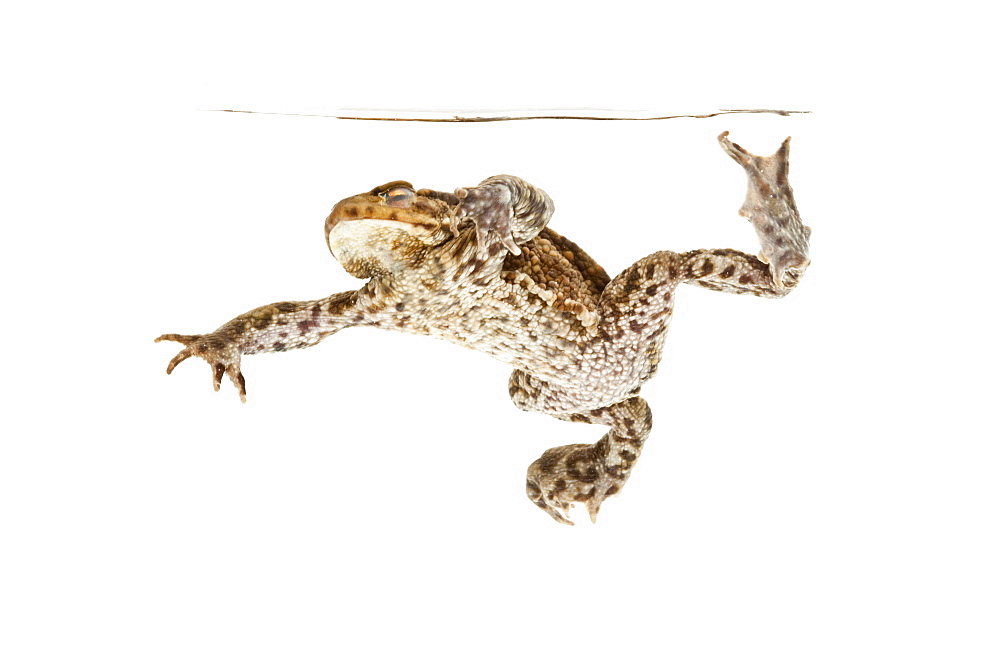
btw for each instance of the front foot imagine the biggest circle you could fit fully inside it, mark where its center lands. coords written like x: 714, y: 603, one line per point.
x: 505, y: 206
x: 220, y: 353
x: 568, y: 474
x: 490, y: 208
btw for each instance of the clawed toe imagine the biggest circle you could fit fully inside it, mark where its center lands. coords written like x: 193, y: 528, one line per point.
x: 179, y: 358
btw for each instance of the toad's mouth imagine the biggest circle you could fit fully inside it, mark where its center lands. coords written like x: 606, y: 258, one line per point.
x: 375, y: 211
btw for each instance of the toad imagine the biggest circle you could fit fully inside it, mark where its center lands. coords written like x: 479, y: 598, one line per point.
x: 480, y: 267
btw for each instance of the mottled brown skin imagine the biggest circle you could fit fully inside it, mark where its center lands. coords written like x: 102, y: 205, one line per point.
x: 480, y: 268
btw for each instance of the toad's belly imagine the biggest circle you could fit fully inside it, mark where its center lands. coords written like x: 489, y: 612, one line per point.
x: 546, y: 345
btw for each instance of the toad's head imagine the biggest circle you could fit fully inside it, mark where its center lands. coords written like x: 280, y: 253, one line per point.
x: 388, y: 229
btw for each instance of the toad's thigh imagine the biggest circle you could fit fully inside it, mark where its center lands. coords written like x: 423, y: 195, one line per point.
x: 562, y: 400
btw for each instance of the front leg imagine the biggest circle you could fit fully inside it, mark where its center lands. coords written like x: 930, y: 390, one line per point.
x: 272, y: 328
x: 507, y: 207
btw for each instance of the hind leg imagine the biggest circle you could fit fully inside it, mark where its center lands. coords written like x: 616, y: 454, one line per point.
x: 584, y: 473
x: 590, y: 473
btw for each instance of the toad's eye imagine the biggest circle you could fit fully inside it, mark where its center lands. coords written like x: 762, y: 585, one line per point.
x: 398, y: 196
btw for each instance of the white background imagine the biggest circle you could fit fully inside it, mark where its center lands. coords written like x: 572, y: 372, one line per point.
x: 822, y: 473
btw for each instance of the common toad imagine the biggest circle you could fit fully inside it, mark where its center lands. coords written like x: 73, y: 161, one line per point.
x: 479, y: 267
